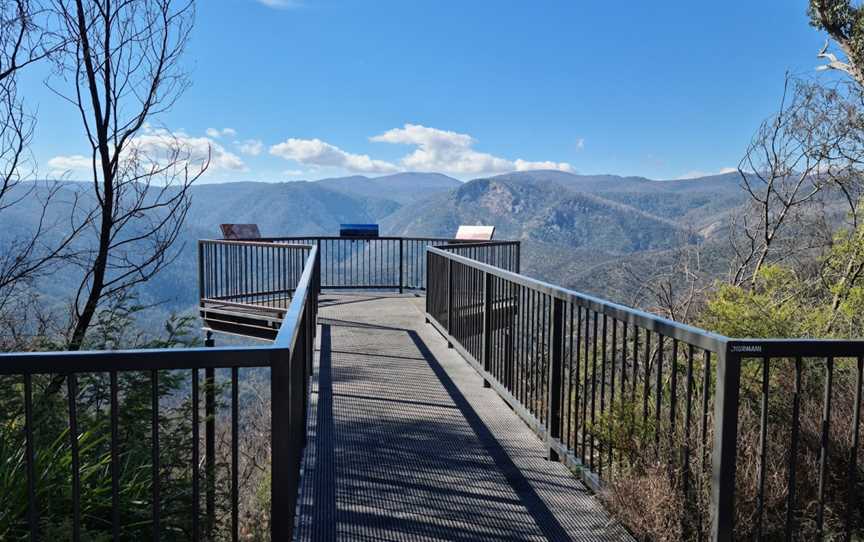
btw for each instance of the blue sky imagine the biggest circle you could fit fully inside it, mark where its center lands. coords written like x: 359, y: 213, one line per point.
x: 316, y: 88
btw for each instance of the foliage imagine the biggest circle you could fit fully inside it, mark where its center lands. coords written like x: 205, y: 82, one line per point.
x: 773, y: 307
x: 844, y: 22
x: 53, y: 448
x: 822, y: 298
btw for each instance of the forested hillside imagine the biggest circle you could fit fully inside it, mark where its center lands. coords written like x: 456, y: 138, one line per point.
x: 578, y: 231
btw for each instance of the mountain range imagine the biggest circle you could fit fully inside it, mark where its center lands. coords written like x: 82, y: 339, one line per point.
x: 574, y: 228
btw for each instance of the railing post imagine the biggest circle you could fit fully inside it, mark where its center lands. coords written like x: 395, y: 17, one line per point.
x: 487, y: 326
x: 210, y: 440
x: 518, y: 257
x: 510, y: 309
x: 282, y: 483
x: 555, y: 351
x: 401, y: 267
x: 200, y: 272
x: 449, y: 300
x: 428, y: 289
x: 308, y: 363
x: 725, y: 448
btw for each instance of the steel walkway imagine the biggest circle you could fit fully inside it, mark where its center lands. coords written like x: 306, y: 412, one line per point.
x: 404, y: 442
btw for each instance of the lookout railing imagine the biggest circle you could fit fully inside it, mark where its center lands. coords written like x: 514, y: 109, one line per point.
x: 245, y: 285
x: 618, y: 393
x: 759, y: 438
x: 390, y: 263
x: 288, y: 359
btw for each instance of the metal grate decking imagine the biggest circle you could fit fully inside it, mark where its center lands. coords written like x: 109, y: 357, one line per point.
x: 406, y: 444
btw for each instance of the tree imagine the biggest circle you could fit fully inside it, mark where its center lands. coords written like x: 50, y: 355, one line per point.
x: 803, y: 160
x: 123, y: 62
x: 674, y: 282
x: 25, y: 39
x: 844, y: 23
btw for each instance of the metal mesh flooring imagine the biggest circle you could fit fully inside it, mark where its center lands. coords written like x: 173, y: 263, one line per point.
x: 406, y: 444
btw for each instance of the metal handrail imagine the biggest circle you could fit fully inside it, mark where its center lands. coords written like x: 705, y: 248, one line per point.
x: 374, y: 263
x: 669, y: 328
x: 290, y: 359
x: 554, y: 355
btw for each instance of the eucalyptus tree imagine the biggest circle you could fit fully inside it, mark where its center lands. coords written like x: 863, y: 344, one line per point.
x: 123, y: 64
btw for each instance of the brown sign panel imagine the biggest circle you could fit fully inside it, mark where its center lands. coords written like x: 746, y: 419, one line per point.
x: 240, y: 231
x: 475, y: 233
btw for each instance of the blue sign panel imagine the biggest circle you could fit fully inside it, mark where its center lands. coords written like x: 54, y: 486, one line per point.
x: 358, y: 230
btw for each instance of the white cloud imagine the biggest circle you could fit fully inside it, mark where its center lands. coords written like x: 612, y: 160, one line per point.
x: 157, y: 146
x: 315, y: 152
x: 293, y: 172
x: 251, y: 147
x: 580, y: 143
x: 695, y: 174
x: 525, y: 165
x: 280, y: 4
x: 161, y: 145
x: 452, y: 152
x: 73, y: 163
x: 217, y: 133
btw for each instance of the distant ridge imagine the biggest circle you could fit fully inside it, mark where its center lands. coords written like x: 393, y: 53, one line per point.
x: 523, y: 207
x: 576, y: 229
x: 400, y: 187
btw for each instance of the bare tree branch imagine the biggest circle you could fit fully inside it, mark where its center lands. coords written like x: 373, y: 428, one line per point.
x: 124, y: 60
x: 811, y: 147
x: 26, y: 38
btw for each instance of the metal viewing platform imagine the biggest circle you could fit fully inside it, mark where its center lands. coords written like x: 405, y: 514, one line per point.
x: 405, y: 442
x: 425, y: 389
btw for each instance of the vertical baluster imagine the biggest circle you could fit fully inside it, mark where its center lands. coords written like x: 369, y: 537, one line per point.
x: 593, y: 388
x: 154, y: 424
x: 72, y: 392
x: 658, y: 399
x: 570, y: 390
x: 543, y: 369
x: 496, y: 329
x: 763, y: 447
x: 852, y: 478
x: 115, y: 457
x: 450, y: 295
x: 706, y: 382
x: 580, y: 392
x: 635, y: 379
x: 523, y: 302
x: 201, y: 283
x: 235, y: 438
x: 247, y: 268
x: 673, y: 395
x: 401, y: 267
x: 624, y: 326
x: 555, y: 365
x: 612, y: 380
x: 32, y: 503
x: 602, y: 392
x: 790, y: 527
x: 685, y: 452
x: 823, y: 448
x: 196, y: 505
x: 210, y: 447
x: 587, y: 385
x: 532, y: 346
x: 536, y: 353
x: 646, y: 377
